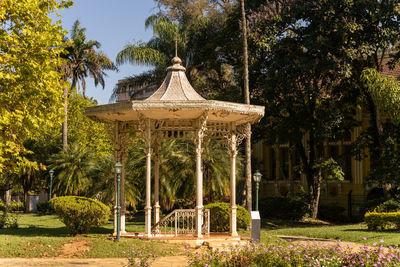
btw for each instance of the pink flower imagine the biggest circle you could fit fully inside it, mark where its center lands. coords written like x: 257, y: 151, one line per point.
x: 364, y: 238
x: 381, y: 241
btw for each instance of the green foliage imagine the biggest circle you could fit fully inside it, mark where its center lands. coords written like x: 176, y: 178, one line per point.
x: 43, y: 207
x: 80, y: 214
x: 3, y: 219
x: 73, y: 168
x: 8, y: 220
x: 84, y: 131
x: 391, y: 205
x: 331, y: 212
x: 82, y: 59
x: 382, y: 220
x: 2, y: 206
x: 287, y: 208
x: 385, y: 91
x: 219, y: 216
x: 16, y: 206
x: 30, y: 95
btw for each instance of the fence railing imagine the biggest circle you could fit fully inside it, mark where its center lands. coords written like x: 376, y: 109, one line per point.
x: 181, y: 222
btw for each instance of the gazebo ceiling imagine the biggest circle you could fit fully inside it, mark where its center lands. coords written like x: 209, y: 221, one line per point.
x: 176, y: 99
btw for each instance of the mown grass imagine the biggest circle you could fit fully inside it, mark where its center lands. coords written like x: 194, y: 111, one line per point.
x: 44, y: 236
x: 348, y: 232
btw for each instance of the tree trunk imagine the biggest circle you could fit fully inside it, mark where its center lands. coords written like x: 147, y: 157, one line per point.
x: 26, y: 200
x: 7, y: 197
x: 248, y: 187
x: 65, y: 123
x: 314, y: 188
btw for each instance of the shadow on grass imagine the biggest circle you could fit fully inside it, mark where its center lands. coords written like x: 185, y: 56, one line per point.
x: 385, y: 231
x: 49, y: 232
x: 38, y: 226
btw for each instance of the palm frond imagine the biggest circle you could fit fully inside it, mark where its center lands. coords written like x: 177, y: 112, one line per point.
x: 140, y: 54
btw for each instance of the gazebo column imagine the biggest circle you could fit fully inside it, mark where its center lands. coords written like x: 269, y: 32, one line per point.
x: 199, y: 175
x: 148, y: 151
x: 232, y: 151
x: 157, y: 183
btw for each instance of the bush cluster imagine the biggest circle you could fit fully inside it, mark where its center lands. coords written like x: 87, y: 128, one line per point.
x: 80, y: 214
x: 382, y: 220
x: 8, y: 220
x: 219, y: 217
x: 14, y: 206
x: 285, y: 208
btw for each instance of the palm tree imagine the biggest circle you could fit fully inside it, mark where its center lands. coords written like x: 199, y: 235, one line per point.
x: 74, y: 169
x: 156, y: 52
x: 103, y: 178
x: 177, y: 171
x: 82, y: 60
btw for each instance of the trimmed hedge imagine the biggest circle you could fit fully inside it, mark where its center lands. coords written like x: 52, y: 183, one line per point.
x: 80, y: 214
x: 219, y: 216
x: 382, y: 220
x: 285, y: 208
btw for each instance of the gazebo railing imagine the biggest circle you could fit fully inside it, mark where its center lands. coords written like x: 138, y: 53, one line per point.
x: 181, y: 222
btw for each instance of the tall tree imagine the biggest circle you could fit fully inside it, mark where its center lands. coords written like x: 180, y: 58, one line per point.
x: 82, y: 60
x: 30, y: 97
x: 246, y: 101
x: 307, y: 91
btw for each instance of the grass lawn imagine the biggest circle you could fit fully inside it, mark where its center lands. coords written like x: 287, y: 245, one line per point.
x: 347, y: 232
x: 45, y: 236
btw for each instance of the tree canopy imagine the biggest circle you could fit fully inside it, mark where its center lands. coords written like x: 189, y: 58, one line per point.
x: 30, y: 95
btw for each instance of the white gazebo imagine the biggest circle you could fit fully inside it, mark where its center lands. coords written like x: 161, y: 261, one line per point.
x: 176, y: 111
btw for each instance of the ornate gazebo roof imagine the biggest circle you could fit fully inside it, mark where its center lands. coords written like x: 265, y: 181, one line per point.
x: 176, y: 99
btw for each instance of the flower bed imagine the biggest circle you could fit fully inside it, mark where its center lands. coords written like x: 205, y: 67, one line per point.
x: 280, y: 254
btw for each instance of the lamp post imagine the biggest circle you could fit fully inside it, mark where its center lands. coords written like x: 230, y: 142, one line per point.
x: 51, y: 172
x: 257, y: 179
x: 118, y: 171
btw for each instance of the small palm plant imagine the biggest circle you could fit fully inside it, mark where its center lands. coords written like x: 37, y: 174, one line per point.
x: 73, y: 170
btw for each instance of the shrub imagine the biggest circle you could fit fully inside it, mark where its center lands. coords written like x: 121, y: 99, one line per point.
x: 388, y: 206
x: 382, y: 220
x: 331, y: 212
x: 16, y: 206
x: 219, y: 217
x: 8, y: 220
x: 80, y: 214
x: 43, y: 207
x: 2, y: 206
x: 286, y: 208
x: 3, y: 219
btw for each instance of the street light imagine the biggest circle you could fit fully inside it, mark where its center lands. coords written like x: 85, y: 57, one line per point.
x: 118, y: 171
x: 257, y: 179
x: 51, y: 172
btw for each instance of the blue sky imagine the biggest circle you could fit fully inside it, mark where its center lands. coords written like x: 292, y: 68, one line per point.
x: 114, y: 24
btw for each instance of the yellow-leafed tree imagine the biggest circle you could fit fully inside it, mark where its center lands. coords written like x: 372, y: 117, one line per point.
x: 30, y: 83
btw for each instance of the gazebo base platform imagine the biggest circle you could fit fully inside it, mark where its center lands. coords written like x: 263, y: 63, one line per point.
x: 214, y: 240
